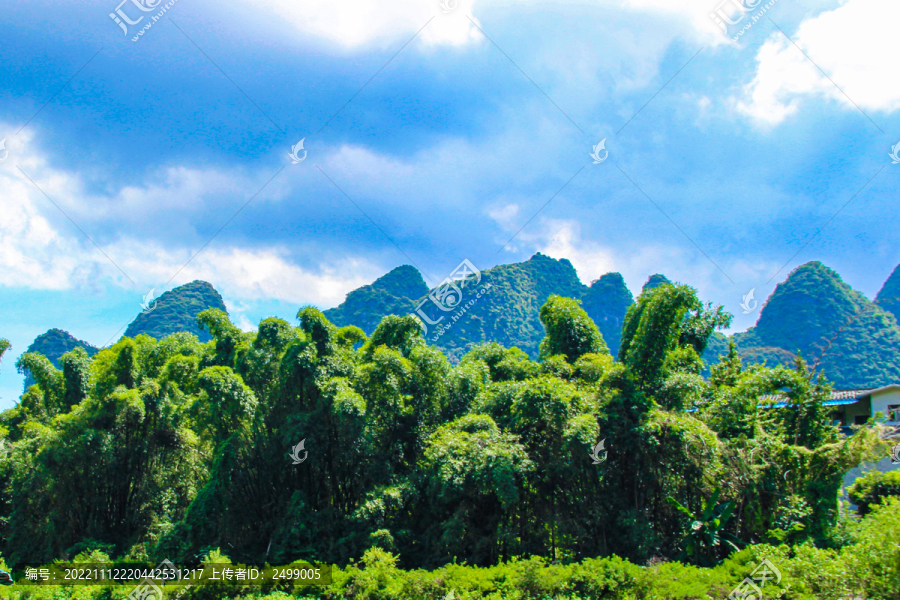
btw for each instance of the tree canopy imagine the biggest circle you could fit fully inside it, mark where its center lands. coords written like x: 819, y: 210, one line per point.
x: 173, y: 447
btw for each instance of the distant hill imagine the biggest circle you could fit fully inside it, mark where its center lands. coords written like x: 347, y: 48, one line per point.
x: 855, y: 342
x: 177, y: 310
x: 53, y: 344
x: 56, y: 342
x: 391, y: 294
x: 508, y: 314
x: 606, y: 302
x: 654, y: 281
x: 889, y: 296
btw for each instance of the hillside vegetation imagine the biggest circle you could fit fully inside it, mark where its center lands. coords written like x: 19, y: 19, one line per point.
x: 177, y: 310
x: 508, y: 314
x: 854, y: 342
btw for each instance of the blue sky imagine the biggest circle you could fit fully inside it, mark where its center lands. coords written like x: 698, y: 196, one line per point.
x: 745, y: 149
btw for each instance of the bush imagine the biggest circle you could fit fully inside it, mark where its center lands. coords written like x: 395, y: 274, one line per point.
x: 874, y: 487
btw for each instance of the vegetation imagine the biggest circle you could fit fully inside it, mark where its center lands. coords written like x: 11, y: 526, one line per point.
x: 53, y: 344
x: 176, y: 311
x: 393, y: 294
x: 510, y: 317
x: 874, y: 488
x: 173, y: 448
x: 853, y: 341
x: 56, y: 342
x: 889, y: 296
x: 856, y: 343
x: 868, y: 566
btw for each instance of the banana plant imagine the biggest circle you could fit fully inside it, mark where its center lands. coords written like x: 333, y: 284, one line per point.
x: 707, y: 538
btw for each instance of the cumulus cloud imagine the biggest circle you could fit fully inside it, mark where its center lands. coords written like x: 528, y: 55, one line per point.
x: 42, y: 249
x: 260, y: 274
x: 359, y: 23
x: 853, y: 44
x: 589, y: 258
x: 355, y: 23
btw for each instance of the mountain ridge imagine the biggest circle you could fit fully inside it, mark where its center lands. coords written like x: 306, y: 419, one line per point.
x: 854, y: 341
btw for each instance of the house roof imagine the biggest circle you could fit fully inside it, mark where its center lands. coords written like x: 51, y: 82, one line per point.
x: 839, y: 402
x: 855, y: 393
x: 837, y: 397
x: 891, y: 386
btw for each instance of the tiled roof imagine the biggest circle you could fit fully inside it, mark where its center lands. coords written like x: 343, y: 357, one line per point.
x: 835, y: 395
x: 842, y: 394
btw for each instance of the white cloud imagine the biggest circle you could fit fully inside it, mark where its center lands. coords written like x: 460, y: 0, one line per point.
x: 854, y: 44
x: 693, y: 12
x: 41, y: 249
x: 354, y: 23
x: 505, y: 215
x: 359, y: 23
x: 589, y: 258
x: 261, y: 274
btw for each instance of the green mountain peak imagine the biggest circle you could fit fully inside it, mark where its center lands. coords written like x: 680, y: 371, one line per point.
x: 392, y: 294
x: 655, y: 280
x: 177, y: 310
x: 854, y: 342
x: 889, y: 296
x: 53, y: 343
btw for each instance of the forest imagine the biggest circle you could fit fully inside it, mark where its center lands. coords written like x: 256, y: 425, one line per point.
x: 424, y: 478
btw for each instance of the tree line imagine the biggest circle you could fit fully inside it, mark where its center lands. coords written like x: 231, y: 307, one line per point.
x: 171, y: 448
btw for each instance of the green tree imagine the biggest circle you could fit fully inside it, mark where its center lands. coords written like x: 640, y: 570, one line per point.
x: 874, y: 487
x: 570, y: 331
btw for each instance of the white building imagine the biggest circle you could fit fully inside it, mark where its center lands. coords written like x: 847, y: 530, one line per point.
x: 855, y: 407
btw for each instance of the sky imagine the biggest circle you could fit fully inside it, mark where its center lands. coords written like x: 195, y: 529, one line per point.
x: 140, y: 158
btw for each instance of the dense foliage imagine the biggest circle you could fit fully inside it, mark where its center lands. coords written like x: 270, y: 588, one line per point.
x: 173, y: 448
x: 873, y: 488
x: 867, y: 566
x: 53, y: 344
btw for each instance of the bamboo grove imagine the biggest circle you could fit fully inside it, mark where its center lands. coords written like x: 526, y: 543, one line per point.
x: 172, y: 448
